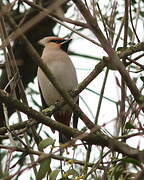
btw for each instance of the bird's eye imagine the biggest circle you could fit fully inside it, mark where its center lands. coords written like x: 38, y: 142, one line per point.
x: 53, y: 41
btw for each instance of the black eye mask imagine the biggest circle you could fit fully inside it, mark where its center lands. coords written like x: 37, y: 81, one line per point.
x: 58, y: 40
x: 64, y: 45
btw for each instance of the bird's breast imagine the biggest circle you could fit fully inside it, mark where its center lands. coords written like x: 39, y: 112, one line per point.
x: 64, y: 72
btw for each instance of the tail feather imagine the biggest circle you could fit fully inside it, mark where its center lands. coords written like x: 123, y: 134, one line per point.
x: 63, y: 117
x: 75, y: 117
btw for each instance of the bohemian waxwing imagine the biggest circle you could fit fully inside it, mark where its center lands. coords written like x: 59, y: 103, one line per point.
x: 56, y: 58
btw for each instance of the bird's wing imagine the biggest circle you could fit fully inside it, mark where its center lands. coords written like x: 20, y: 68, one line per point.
x: 75, y: 117
x: 44, y: 105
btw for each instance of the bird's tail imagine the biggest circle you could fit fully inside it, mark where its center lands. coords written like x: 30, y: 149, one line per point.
x: 63, y: 117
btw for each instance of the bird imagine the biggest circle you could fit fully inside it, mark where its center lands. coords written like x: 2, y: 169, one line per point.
x: 55, y: 56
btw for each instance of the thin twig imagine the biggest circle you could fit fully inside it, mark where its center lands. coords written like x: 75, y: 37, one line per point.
x: 114, y: 59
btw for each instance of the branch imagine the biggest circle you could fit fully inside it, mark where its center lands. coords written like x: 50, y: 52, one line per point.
x: 96, y: 71
x: 96, y: 137
x: 114, y: 59
x: 45, y: 12
x: 39, y: 153
x: 18, y: 126
x: 36, y: 58
x: 36, y: 19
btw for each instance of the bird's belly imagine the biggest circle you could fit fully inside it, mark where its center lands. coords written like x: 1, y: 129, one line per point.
x: 65, y: 78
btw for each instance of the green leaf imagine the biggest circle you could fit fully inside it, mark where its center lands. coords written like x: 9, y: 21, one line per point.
x: 130, y: 33
x: 3, y: 174
x: 141, y: 99
x: 46, y: 133
x: 71, y: 172
x: 129, y: 126
x: 120, y: 48
x: 131, y: 160
x: 45, y: 143
x: 54, y: 174
x: 44, y: 169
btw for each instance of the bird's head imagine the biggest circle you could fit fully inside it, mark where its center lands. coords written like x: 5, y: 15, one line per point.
x: 55, y: 41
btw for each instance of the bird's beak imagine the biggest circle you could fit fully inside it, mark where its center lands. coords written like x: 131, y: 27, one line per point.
x: 64, y: 45
x: 67, y: 41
